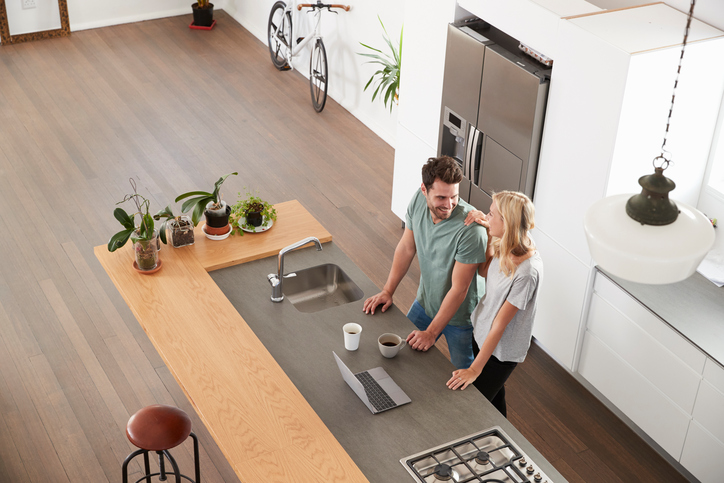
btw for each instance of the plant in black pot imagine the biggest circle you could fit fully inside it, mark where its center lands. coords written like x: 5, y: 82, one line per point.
x: 252, y: 214
x: 212, y: 206
x: 180, y: 227
x: 203, y: 12
x: 143, y: 235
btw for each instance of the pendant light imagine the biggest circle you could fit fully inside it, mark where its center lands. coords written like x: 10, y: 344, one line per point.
x: 647, y: 238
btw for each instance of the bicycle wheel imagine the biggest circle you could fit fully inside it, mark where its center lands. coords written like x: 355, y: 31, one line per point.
x: 279, y: 35
x: 318, y: 79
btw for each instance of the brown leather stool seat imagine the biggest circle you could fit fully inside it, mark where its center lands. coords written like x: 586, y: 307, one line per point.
x: 160, y: 428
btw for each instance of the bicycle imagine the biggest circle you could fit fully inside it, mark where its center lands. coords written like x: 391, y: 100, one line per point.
x: 283, y: 50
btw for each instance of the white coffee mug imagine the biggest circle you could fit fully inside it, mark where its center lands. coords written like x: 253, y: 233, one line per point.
x: 390, y: 344
x: 352, y: 333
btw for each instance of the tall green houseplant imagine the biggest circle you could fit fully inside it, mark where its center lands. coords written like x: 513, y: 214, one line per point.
x: 387, y: 78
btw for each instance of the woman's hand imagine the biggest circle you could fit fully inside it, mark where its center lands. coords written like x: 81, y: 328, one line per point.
x: 462, y: 378
x: 476, y: 216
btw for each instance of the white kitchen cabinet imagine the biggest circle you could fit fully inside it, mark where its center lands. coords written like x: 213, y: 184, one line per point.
x: 650, y: 323
x: 621, y: 323
x: 632, y: 358
x: 640, y: 400
x: 658, y: 379
x: 560, y: 301
x: 714, y: 374
x: 709, y: 409
x: 703, y: 454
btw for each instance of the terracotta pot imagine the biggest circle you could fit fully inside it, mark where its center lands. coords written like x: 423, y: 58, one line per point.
x: 212, y: 230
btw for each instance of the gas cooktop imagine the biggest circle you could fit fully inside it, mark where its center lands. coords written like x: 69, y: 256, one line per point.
x: 485, y: 457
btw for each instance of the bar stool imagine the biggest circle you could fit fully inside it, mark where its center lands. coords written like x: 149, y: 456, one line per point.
x: 159, y: 428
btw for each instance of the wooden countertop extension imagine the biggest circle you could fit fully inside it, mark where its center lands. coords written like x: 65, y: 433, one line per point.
x: 261, y: 422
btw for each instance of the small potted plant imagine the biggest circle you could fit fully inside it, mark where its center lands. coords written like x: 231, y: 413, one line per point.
x: 252, y: 214
x: 203, y: 12
x: 143, y: 235
x: 215, y: 209
x: 180, y: 227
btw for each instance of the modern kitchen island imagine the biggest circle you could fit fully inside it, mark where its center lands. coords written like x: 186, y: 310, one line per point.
x: 262, y: 378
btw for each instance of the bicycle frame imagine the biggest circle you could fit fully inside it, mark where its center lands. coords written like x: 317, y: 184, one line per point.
x: 295, y: 48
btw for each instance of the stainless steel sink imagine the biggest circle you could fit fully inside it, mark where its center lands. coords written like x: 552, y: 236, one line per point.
x: 321, y: 287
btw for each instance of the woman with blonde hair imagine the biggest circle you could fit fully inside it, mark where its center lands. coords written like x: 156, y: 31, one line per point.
x: 503, y: 318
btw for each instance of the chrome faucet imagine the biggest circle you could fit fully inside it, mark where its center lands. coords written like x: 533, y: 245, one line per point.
x: 276, y: 279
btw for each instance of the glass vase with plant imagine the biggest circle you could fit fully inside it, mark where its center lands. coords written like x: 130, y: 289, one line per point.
x: 251, y: 212
x: 180, y: 227
x: 387, y: 78
x: 143, y: 235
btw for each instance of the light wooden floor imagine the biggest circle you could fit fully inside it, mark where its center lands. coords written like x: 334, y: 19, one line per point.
x: 176, y: 108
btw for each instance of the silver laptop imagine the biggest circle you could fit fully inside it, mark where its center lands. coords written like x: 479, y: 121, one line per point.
x: 374, y: 387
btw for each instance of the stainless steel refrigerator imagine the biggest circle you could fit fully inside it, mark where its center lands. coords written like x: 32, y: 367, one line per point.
x: 493, y: 107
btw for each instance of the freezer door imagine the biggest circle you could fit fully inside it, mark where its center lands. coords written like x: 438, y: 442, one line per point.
x: 500, y: 169
x: 480, y: 199
x: 509, y: 104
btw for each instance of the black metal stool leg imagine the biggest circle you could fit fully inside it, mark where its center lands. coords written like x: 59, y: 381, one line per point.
x: 128, y: 460
x: 161, y: 466
x: 174, y: 465
x: 147, y: 465
x: 197, y: 463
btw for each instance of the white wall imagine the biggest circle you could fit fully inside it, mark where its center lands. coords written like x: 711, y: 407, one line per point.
x: 87, y: 14
x: 342, y: 33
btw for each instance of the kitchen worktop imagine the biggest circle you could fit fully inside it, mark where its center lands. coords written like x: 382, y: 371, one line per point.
x: 261, y: 376
x: 302, y: 344
x: 693, y: 307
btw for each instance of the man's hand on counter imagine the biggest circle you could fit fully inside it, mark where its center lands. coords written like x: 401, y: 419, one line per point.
x: 421, y: 340
x: 383, y: 298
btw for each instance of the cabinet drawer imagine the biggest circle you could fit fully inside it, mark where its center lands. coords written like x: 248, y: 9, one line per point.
x: 714, y: 373
x: 656, y: 363
x: 634, y: 395
x: 650, y: 323
x: 709, y: 410
x: 703, y: 455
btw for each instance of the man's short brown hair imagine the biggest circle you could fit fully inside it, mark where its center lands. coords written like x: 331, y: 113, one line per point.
x: 444, y: 168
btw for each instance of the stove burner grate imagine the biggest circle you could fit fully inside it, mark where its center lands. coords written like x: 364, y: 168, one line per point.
x: 487, y: 457
x: 444, y: 472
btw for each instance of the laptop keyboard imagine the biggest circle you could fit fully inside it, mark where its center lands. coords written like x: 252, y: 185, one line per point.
x: 379, y: 399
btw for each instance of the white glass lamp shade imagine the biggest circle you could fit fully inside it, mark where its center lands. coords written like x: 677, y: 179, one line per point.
x: 646, y: 253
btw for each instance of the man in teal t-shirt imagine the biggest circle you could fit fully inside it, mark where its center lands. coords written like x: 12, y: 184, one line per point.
x: 449, y: 254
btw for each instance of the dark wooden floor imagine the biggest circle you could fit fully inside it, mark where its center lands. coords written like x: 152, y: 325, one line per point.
x: 177, y: 108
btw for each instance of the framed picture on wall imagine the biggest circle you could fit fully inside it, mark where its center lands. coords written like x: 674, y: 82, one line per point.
x: 24, y: 20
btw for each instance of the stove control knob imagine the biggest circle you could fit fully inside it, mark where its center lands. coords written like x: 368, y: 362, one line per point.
x: 538, y: 478
x: 522, y: 462
x: 530, y: 470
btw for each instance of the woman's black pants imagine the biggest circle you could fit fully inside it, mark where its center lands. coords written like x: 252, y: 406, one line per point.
x: 491, y: 381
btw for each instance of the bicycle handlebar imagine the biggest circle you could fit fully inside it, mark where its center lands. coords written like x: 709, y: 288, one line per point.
x: 323, y: 5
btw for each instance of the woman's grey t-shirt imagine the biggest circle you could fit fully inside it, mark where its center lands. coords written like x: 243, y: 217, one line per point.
x: 522, y: 292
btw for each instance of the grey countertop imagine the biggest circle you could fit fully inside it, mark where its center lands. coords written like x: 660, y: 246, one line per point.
x: 302, y: 344
x: 693, y: 307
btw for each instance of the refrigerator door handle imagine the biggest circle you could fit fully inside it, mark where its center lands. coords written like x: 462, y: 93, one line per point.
x: 472, y: 154
x: 470, y: 151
